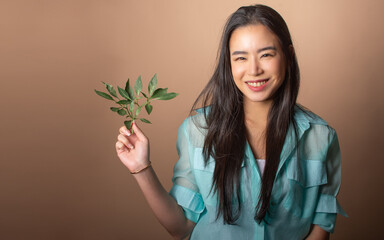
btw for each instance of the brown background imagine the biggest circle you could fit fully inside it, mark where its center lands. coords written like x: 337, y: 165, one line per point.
x: 59, y: 175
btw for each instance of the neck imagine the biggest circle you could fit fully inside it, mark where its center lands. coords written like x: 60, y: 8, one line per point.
x: 256, y: 113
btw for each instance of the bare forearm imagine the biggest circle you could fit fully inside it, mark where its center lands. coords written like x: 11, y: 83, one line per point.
x: 165, y: 208
x: 317, y: 233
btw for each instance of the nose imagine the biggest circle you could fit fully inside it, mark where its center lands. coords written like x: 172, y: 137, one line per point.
x: 254, y: 68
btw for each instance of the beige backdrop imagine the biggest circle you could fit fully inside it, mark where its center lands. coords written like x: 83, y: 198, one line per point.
x: 59, y: 175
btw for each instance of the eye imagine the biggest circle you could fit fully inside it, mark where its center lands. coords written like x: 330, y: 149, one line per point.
x: 264, y: 55
x: 240, y: 59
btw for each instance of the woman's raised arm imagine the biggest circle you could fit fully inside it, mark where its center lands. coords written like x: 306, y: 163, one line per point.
x: 133, y: 151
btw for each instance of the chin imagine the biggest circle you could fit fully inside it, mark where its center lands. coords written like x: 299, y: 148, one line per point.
x: 257, y: 99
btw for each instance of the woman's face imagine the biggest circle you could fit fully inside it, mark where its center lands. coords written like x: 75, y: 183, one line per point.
x: 257, y: 60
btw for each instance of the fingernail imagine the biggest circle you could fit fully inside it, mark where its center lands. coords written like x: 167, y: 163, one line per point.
x: 131, y: 147
x: 128, y: 133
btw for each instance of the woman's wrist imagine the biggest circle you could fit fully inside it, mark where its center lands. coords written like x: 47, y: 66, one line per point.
x: 143, y: 168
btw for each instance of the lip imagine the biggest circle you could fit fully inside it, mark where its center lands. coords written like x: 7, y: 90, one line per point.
x: 257, y: 89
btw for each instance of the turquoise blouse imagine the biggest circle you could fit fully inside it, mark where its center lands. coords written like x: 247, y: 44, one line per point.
x: 304, y: 192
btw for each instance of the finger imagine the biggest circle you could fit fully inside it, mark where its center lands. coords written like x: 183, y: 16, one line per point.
x: 123, y: 130
x: 120, y: 147
x: 125, y: 140
x: 138, y: 131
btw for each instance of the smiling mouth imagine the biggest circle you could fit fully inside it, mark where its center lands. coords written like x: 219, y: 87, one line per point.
x: 257, y: 83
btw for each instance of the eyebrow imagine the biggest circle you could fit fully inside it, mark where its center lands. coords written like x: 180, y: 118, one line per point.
x: 258, y: 51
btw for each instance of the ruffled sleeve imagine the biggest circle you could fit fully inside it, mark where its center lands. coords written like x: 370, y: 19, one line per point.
x: 185, y: 190
x: 328, y: 207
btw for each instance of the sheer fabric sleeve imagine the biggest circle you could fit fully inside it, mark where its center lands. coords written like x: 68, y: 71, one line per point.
x: 328, y: 206
x: 185, y: 190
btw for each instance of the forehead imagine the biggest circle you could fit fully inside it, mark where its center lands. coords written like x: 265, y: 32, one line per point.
x: 252, y: 37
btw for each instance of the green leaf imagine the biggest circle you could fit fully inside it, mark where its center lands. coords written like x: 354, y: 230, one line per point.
x: 137, y: 111
x: 123, y: 93
x: 138, y: 86
x: 122, y: 112
x: 159, y: 92
x: 168, y: 96
x: 148, y: 107
x: 132, y: 106
x: 144, y: 95
x: 104, y: 95
x: 152, y: 85
x: 129, y: 90
x: 131, y: 93
x: 114, y: 109
x: 110, y: 89
x: 127, y: 85
x: 145, y: 120
x: 123, y: 102
x: 128, y: 124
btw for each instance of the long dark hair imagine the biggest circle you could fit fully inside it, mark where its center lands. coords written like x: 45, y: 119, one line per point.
x: 226, y: 134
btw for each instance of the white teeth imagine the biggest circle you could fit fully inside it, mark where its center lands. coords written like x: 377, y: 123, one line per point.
x: 256, y: 84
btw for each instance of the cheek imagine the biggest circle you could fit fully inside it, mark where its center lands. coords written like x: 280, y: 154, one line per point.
x: 278, y: 69
x: 237, y: 71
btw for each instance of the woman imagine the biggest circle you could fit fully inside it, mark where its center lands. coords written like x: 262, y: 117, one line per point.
x: 253, y: 164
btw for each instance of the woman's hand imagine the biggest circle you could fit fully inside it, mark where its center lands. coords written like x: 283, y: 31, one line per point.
x: 133, y: 149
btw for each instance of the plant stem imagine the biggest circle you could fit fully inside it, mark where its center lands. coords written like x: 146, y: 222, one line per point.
x: 129, y: 113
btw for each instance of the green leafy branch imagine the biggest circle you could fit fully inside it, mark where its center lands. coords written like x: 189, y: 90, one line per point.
x: 129, y: 103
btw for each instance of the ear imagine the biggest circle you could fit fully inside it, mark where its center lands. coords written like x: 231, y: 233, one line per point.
x: 291, y: 50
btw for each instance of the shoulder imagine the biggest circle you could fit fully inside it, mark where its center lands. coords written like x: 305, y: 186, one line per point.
x: 194, y: 127
x: 317, y: 134
x: 304, y: 115
x: 308, y: 120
